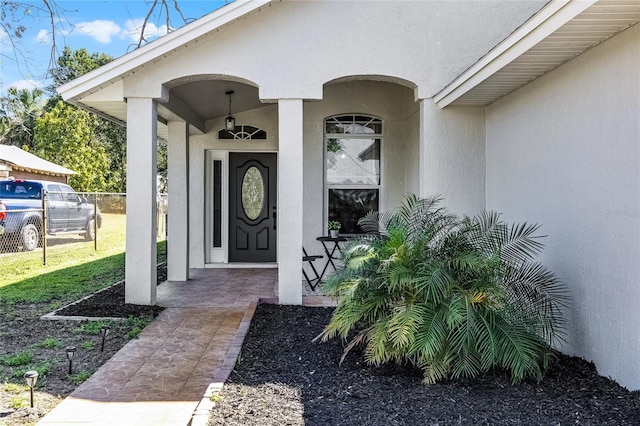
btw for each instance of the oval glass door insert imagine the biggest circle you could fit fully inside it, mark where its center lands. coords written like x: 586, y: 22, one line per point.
x: 252, y: 193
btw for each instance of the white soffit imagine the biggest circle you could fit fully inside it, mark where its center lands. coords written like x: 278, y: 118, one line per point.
x: 561, y: 31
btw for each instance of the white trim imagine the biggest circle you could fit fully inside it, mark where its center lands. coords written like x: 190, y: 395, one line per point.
x: 106, y: 74
x: 218, y: 257
x: 553, y: 16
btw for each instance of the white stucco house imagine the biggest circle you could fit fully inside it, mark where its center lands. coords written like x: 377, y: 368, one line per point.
x: 529, y: 108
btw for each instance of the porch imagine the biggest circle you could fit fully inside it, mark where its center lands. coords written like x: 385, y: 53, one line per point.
x: 254, y: 193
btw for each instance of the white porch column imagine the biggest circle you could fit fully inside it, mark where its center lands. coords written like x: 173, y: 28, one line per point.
x: 290, y: 201
x: 140, y: 259
x: 178, y: 219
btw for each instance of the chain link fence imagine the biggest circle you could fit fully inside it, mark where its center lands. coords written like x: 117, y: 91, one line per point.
x: 60, y: 228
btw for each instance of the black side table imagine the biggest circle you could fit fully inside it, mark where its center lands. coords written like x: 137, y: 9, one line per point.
x: 330, y: 246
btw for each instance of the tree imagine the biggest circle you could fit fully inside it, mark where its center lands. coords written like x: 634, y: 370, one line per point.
x: 73, y: 146
x: 20, y: 109
x: 111, y: 136
x: 72, y: 64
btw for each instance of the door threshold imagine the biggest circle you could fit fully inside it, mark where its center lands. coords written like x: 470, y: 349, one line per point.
x: 240, y: 265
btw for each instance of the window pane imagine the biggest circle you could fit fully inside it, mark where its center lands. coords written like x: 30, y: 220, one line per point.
x: 354, y: 125
x: 252, y: 193
x: 353, y: 161
x: 349, y: 205
x: 217, y: 203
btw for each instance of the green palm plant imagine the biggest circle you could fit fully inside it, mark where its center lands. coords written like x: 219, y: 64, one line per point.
x: 455, y: 297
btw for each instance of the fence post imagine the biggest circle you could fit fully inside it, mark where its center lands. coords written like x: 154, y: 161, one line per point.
x: 43, y: 229
x: 95, y: 221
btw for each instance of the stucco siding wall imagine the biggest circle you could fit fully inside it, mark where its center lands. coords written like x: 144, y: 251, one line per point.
x: 412, y: 153
x: 290, y: 49
x: 453, y: 156
x: 564, y: 151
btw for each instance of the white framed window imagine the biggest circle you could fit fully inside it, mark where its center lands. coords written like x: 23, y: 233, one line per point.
x: 352, y: 168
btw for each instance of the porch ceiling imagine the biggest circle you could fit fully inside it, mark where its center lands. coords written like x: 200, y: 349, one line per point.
x: 503, y: 70
x: 208, y: 99
x: 205, y: 99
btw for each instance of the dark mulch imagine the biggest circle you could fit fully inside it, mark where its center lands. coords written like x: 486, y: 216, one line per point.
x: 110, y: 303
x: 283, y: 378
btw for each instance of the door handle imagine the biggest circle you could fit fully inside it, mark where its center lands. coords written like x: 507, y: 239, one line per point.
x: 275, y: 217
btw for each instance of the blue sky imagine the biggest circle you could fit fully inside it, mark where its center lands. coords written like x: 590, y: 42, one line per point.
x: 103, y: 26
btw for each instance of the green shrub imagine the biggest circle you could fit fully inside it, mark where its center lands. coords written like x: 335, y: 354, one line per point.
x: 136, y: 324
x: 18, y: 402
x: 16, y: 360
x: 80, y: 377
x: 455, y: 297
x: 92, y: 327
x: 49, y: 343
x: 88, y: 345
x: 42, y: 368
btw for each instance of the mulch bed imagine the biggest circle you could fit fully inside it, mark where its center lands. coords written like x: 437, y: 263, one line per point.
x: 282, y: 377
x: 110, y: 303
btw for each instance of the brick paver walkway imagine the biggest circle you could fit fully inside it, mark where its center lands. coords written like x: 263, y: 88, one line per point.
x: 166, y: 375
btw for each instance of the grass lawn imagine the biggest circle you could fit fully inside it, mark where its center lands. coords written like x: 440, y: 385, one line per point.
x: 74, y: 269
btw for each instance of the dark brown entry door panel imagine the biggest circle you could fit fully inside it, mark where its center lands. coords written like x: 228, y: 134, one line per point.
x: 252, y: 207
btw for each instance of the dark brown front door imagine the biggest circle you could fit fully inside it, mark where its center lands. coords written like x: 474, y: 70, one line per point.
x: 252, y: 207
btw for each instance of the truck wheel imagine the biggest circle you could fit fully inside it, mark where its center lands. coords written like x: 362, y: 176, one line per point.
x: 90, y: 234
x: 30, y: 237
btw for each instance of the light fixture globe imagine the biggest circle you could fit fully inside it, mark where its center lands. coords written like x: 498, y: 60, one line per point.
x: 71, y: 351
x: 230, y: 122
x: 104, y: 331
x: 31, y: 377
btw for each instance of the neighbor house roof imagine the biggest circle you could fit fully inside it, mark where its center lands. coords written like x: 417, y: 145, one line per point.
x: 20, y: 159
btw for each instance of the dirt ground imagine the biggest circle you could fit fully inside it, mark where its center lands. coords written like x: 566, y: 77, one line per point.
x: 42, y: 345
x: 283, y: 378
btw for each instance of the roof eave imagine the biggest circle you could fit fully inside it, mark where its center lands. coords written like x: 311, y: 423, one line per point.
x: 551, y: 17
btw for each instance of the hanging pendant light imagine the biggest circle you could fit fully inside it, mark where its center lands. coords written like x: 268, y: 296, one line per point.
x: 230, y: 123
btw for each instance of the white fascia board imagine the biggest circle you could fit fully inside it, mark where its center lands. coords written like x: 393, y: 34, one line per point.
x: 551, y: 17
x: 100, y: 77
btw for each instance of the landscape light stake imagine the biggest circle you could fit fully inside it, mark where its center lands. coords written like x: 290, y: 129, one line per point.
x: 104, y: 330
x: 71, y: 351
x: 31, y: 377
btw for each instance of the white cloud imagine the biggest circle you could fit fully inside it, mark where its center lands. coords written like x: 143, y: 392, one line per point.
x: 134, y: 28
x: 25, y: 84
x: 43, y: 36
x: 99, y: 29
